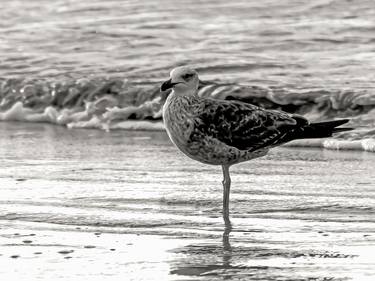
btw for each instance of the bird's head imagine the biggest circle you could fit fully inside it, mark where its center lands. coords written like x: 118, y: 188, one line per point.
x: 183, y: 81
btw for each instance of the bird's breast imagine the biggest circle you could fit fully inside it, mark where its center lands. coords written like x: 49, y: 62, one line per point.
x: 178, y: 121
x: 181, y: 120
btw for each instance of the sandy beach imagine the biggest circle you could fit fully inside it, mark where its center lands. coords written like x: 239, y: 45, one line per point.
x: 92, y: 205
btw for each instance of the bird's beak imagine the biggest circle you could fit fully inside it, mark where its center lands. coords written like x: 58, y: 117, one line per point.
x: 167, y: 85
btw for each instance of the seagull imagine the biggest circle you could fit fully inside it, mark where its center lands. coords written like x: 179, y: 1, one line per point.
x: 223, y: 132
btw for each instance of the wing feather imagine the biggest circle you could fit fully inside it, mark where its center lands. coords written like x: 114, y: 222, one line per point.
x: 244, y: 126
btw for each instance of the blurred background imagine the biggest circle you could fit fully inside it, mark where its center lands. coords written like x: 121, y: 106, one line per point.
x: 99, y: 63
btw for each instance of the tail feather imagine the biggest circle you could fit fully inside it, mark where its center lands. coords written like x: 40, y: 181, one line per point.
x: 322, y: 129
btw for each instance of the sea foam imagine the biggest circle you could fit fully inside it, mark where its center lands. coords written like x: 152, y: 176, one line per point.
x: 109, y: 104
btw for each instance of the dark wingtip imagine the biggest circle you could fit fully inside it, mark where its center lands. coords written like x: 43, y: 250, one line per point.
x: 332, y: 124
x: 338, y: 130
x: 323, y: 129
x: 340, y: 122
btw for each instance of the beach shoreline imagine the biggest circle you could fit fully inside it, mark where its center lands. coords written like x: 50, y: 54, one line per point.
x: 127, y: 203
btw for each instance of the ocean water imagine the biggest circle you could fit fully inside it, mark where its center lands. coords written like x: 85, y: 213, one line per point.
x: 127, y: 205
x: 99, y: 64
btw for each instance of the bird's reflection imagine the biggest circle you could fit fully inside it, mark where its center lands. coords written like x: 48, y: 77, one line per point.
x: 206, y: 258
x: 221, y: 259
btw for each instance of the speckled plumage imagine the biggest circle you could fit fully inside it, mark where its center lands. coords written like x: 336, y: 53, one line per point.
x: 224, y: 132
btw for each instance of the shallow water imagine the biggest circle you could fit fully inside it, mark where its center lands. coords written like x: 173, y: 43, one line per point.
x: 99, y: 64
x: 88, y: 204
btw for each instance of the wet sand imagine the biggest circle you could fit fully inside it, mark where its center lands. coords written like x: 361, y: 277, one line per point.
x: 123, y: 205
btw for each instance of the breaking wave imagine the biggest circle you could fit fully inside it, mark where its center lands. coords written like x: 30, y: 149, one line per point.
x: 115, y: 103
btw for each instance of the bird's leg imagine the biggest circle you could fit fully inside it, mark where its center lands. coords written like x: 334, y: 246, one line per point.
x: 226, y: 190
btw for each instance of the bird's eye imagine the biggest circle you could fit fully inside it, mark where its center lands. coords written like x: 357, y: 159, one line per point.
x: 187, y: 76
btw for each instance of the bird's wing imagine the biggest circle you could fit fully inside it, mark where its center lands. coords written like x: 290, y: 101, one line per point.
x: 244, y: 126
